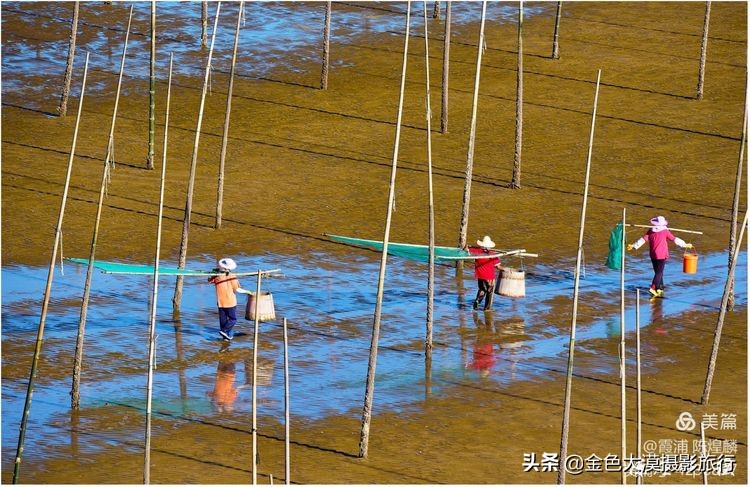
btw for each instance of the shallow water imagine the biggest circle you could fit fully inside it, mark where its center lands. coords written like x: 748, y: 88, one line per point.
x: 329, y: 306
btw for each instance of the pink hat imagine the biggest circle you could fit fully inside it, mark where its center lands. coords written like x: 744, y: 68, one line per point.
x: 659, y: 221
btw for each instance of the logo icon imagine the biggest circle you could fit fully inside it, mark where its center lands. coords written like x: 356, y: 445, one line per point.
x: 685, y: 422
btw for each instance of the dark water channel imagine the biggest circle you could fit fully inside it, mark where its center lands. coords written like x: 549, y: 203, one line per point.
x: 329, y: 305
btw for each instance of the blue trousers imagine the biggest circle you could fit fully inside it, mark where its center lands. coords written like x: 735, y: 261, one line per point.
x: 227, y: 318
x: 658, y: 281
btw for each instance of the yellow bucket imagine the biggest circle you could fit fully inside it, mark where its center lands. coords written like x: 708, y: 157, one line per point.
x: 690, y: 263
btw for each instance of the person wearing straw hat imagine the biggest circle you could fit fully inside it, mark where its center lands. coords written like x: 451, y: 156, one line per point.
x: 484, y: 271
x: 226, y: 285
x: 658, y: 237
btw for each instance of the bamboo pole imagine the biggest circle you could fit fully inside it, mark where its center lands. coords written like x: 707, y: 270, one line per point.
x: 703, y: 452
x: 720, y: 321
x: 204, y: 23
x: 704, y: 47
x: 446, y: 69
x: 75, y: 391
x: 639, y: 417
x: 670, y: 228
x: 472, y: 134
x: 191, y: 179
x: 48, y: 287
x: 736, y: 203
x: 577, y: 276
x: 430, y: 205
x: 225, y: 135
x: 623, y: 411
x: 155, y: 290
x: 256, y: 330
x: 515, y: 182
x: 326, y: 48
x: 62, y: 109
x: 152, y: 90
x: 372, y: 362
x: 436, y: 10
x: 287, y: 461
x: 556, y: 35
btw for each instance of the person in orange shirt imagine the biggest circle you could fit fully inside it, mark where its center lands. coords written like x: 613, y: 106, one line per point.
x: 226, y: 285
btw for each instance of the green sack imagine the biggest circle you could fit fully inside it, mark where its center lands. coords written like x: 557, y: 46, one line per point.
x: 614, y: 259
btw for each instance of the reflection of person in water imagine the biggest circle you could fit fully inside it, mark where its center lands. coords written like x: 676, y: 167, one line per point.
x: 483, y: 350
x: 224, y: 393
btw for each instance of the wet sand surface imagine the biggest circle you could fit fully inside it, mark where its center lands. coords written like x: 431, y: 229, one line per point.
x: 302, y: 162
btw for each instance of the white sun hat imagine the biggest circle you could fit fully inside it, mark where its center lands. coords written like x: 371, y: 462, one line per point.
x: 486, y: 242
x: 227, y: 264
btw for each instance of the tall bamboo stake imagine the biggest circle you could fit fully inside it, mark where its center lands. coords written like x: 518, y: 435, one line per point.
x: 446, y: 66
x: 256, y: 330
x: 48, y: 287
x: 177, y: 298
x: 703, y: 452
x: 623, y: 411
x: 152, y: 90
x: 472, y: 134
x: 326, y: 48
x: 736, y: 203
x: 204, y: 23
x: 372, y: 362
x: 639, y: 418
x: 75, y: 391
x: 556, y: 35
x: 62, y: 109
x: 577, y: 276
x: 515, y: 182
x: 720, y: 321
x: 704, y: 46
x: 225, y: 135
x: 430, y: 205
x: 436, y: 10
x: 155, y: 290
x: 287, y: 461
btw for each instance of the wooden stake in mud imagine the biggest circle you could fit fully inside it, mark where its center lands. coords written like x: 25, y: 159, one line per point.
x: 152, y: 90
x: 370, y: 386
x: 75, y: 391
x: 430, y: 204
x: 436, y: 10
x: 326, y: 48
x: 48, y: 287
x: 446, y: 62
x: 577, y: 276
x: 720, y: 321
x: 623, y: 411
x: 556, y: 35
x: 736, y: 204
x: 154, y: 292
x: 472, y: 134
x: 287, y: 462
x: 256, y: 330
x: 704, y: 46
x: 63, y: 108
x: 204, y: 23
x: 191, y: 179
x: 515, y: 182
x: 639, y: 418
x: 225, y: 135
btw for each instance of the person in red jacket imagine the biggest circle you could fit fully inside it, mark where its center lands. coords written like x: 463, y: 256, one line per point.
x: 658, y: 237
x: 484, y: 271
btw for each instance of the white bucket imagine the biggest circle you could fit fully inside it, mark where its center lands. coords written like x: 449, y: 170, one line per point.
x: 512, y: 283
x: 266, y: 310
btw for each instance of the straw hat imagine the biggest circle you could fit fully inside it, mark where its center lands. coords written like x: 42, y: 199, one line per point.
x: 659, y: 221
x: 486, y: 242
x: 227, y: 264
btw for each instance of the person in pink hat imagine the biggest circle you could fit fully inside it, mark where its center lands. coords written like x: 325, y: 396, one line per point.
x: 658, y: 237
